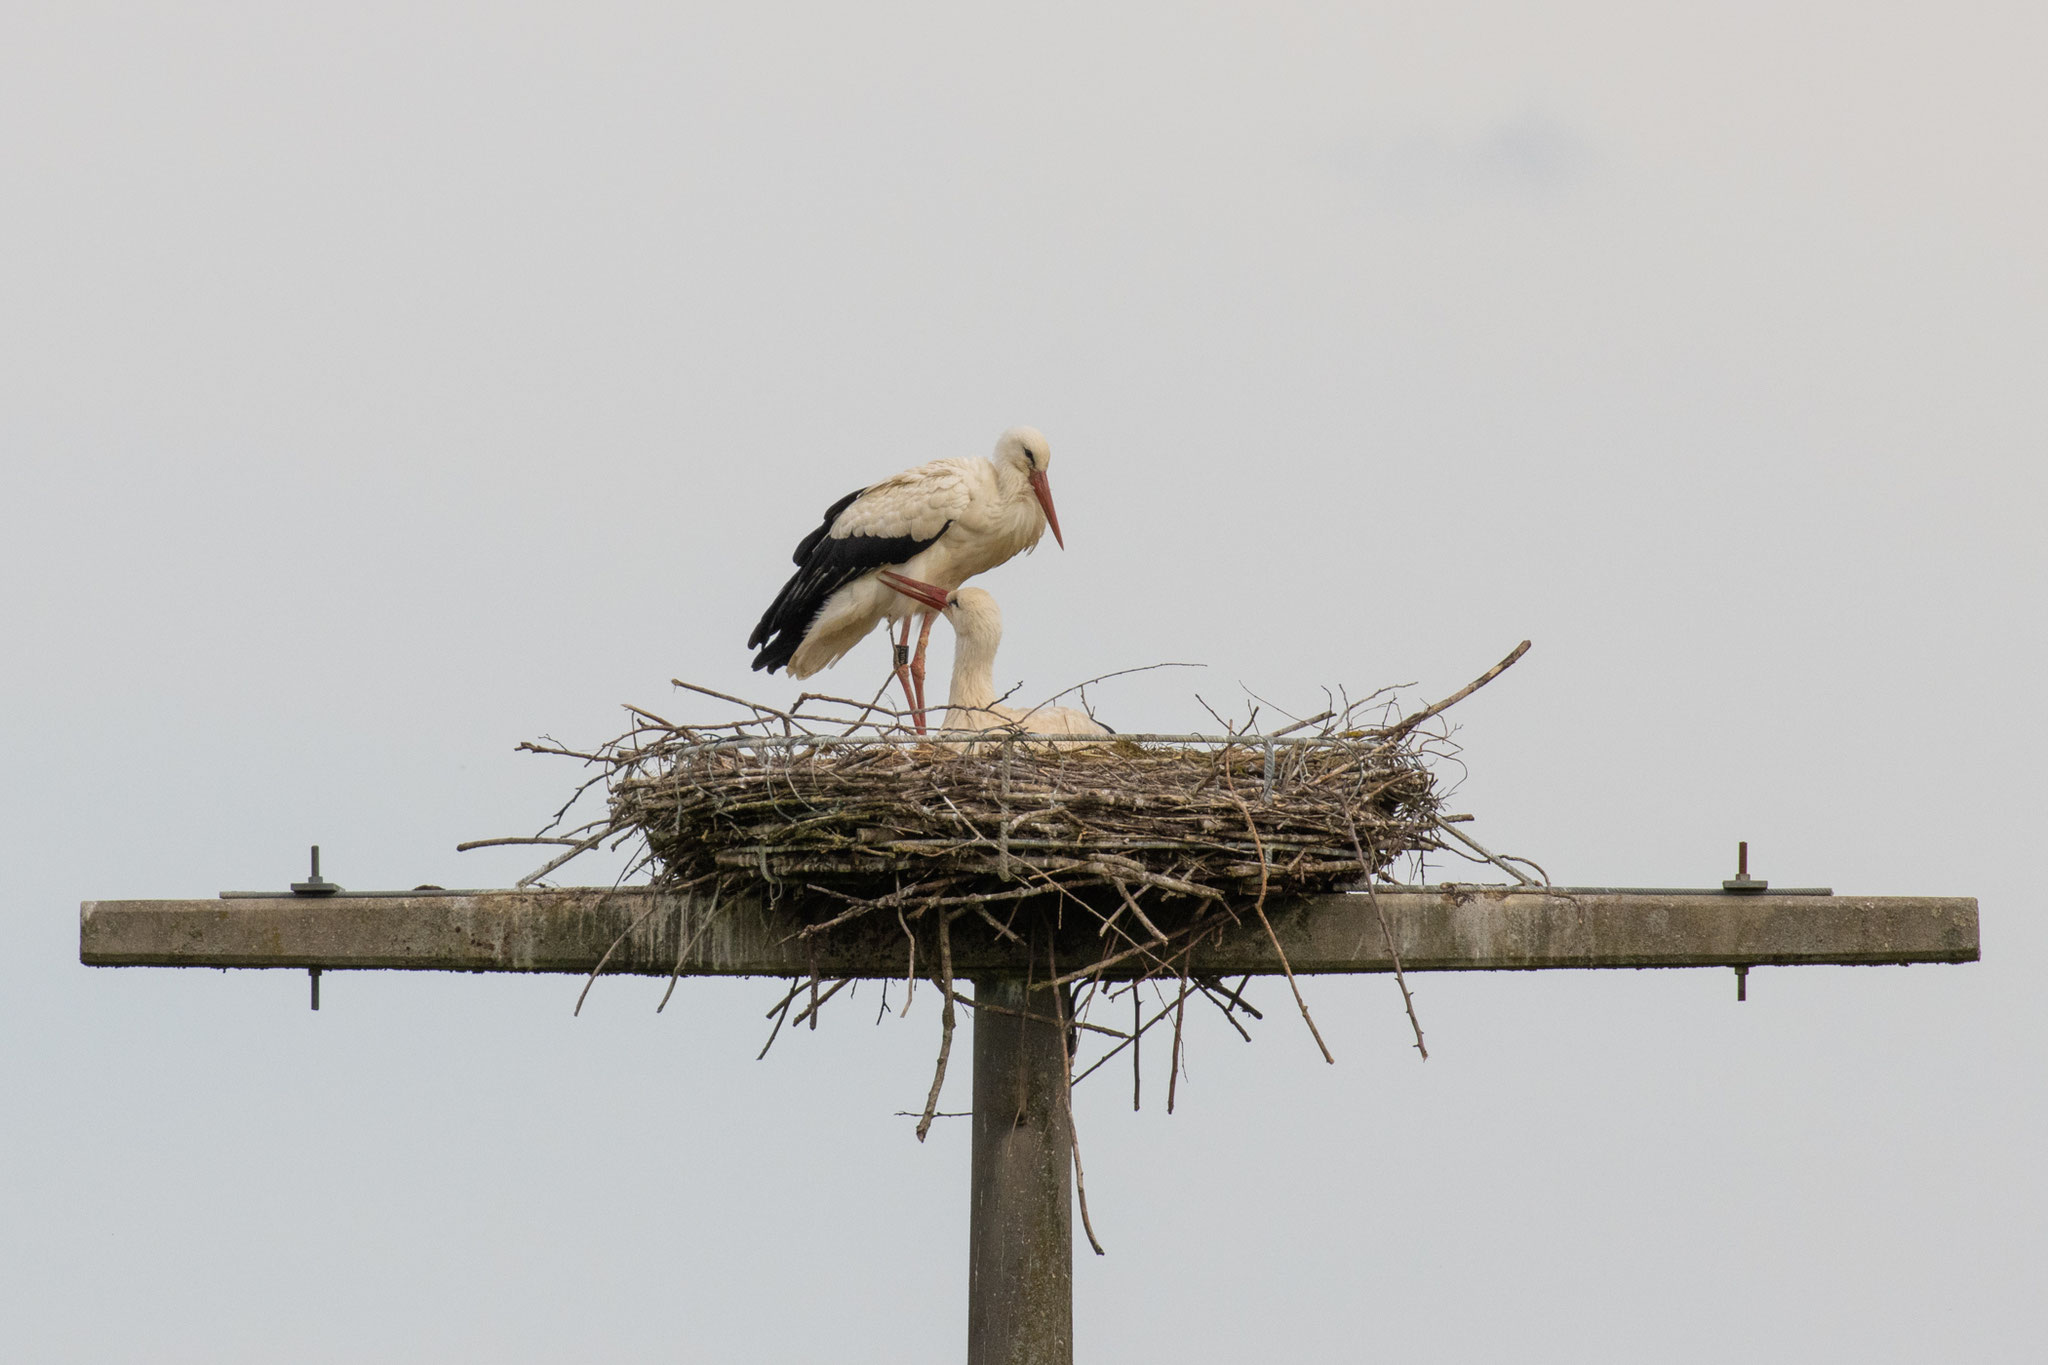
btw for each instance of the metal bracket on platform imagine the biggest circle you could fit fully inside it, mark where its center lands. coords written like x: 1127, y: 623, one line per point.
x: 1742, y: 881
x: 320, y: 886
x: 316, y: 885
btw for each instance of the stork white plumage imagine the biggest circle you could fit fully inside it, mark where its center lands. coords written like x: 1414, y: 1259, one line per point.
x: 939, y: 524
x: 971, y: 703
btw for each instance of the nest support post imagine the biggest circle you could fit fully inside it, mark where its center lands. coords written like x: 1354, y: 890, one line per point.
x: 1020, y: 1245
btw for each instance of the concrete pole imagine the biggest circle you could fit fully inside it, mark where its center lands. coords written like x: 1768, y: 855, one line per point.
x: 1020, y: 1241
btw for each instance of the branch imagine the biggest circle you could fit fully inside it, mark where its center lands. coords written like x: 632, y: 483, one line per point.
x: 1467, y: 690
x: 931, y: 1104
x: 1259, y: 907
x: 1103, y: 677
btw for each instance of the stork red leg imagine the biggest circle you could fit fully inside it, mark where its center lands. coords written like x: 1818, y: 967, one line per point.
x: 917, y: 662
x: 903, y: 672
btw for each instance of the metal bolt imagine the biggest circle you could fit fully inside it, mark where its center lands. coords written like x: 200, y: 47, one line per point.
x: 316, y: 885
x: 315, y: 973
x: 1742, y: 881
x: 1741, y: 983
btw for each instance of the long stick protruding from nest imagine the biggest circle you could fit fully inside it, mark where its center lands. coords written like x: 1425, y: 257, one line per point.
x: 1467, y: 690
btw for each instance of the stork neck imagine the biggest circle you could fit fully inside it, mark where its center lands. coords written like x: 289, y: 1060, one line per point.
x: 1014, y: 492
x: 974, y: 662
x: 1016, y: 520
x: 1011, y: 479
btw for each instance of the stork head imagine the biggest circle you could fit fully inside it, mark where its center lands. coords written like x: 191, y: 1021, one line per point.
x: 973, y: 614
x: 1026, y: 450
x: 977, y: 622
x: 974, y: 607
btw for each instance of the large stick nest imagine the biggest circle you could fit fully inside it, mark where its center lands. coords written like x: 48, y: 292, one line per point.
x: 842, y: 798
x: 1160, y: 841
x: 875, y: 813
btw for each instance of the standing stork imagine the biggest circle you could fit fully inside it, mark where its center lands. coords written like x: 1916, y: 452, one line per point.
x: 940, y: 524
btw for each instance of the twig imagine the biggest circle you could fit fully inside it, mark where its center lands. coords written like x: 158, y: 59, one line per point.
x: 796, y: 988
x: 1137, y: 1030
x: 1001, y: 928
x: 1504, y: 862
x: 683, y: 953
x: 736, y: 701
x: 1299, y: 725
x: 1067, y: 1099
x: 1103, y: 677
x: 1393, y: 952
x: 1467, y: 690
x: 1180, y: 1008
x: 1235, y: 997
x: 872, y: 705
x: 865, y: 709
x: 1097, y: 968
x: 530, y: 747
x: 1259, y: 907
x: 645, y: 714
x: 977, y: 1006
x: 1111, y: 1055
x: 1223, y: 1009
x: 623, y: 934
x: 910, y: 973
x: 931, y: 1103
x: 810, y: 1011
x: 1158, y: 934
x: 780, y: 1012
x: 583, y: 846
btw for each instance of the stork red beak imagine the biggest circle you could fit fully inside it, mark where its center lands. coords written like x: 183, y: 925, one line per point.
x: 1041, y: 488
x: 930, y: 594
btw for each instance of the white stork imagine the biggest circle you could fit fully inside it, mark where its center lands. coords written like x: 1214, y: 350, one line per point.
x: 971, y: 703
x: 938, y: 524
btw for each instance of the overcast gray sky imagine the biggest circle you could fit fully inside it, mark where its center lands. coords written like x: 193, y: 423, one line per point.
x: 384, y: 384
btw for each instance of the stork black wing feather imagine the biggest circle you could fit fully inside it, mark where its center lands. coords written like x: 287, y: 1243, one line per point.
x: 825, y: 564
x: 810, y: 542
x: 804, y: 549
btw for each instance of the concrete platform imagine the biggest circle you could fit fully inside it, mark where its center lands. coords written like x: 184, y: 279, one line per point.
x: 1436, y: 928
